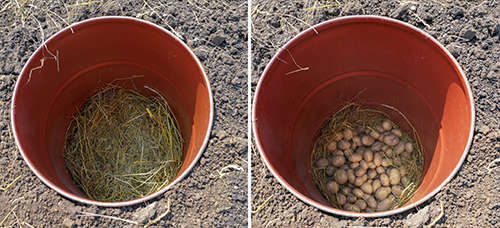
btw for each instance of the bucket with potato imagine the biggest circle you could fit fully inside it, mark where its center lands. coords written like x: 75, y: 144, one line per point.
x: 363, y: 116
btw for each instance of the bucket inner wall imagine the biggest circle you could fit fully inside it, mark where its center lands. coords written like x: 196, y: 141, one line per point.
x: 391, y: 64
x: 116, y: 50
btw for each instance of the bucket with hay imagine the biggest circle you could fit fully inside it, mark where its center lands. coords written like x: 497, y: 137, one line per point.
x: 121, y: 113
x: 363, y: 116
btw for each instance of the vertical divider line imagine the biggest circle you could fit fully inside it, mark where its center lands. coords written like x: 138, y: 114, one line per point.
x: 249, y: 115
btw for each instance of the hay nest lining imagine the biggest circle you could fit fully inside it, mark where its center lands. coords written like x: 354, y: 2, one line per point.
x: 122, y: 145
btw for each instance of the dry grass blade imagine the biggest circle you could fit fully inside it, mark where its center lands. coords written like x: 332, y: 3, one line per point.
x: 263, y: 204
x: 160, y: 217
x: 108, y: 217
x: 10, y: 184
x: 441, y: 214
x: 8, y: 214
x: 122, y: 145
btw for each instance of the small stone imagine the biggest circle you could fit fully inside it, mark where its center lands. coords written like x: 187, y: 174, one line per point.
x: 3, y: 161
x: 469, y: 34
x: 484, y: 129
x: 322, y: 163
x: 68, y: 223
x: 145, y: 213
x: 218, y: 40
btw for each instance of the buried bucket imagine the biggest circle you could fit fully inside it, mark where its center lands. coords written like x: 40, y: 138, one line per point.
x: 78, y: 62
x: 380, y: 62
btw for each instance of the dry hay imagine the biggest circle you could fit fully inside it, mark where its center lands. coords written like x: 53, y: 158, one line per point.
x: 122, y: 145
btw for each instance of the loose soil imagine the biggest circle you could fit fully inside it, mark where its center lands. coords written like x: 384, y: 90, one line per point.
x: 471, y: 32
x: 214, y: 194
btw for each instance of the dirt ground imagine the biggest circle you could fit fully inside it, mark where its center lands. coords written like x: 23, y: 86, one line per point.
x: 471, y: 32
x: 217, y: 32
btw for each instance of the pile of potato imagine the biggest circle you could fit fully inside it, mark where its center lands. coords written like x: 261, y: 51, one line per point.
x: 364, y: 167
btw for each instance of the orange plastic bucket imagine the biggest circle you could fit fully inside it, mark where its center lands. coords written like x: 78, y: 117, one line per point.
x: 81, y: 59
x: 395, y: 64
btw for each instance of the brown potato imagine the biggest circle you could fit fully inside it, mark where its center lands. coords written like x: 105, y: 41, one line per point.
x: 351, y: 198
x: 394, y: 176
x: 351, y: 207
x: 367, y: 140
x: 389, y: 153
x: 376, y: 146
x: 367, y: 188
x: 384, y: 179
x: 360, y: 180
x: 386, y: 162
x: 405, y: 154
x: 405, y: 181
x: 363, y: 164
x: 348, y: 152
x: 356, y: 157
x: 371, y: 174
x: 341, y: 176
x: 377, y: 159
x: 409, y: 147
x: 358, y: 192
x: 380, y: 170
x: 338, y: 152
x: 356, y: 140
x: 338, y: 160
x: 403, y: 171
x: 332, y: 187
x: 321, y: 163
x: 344, y: 144
x: 382, y: 193
x: 397, y: 132
x: 379, y: 129
x: 361, y: 204
x: 348, y: 134
x: 351, y: 176
x: 396, y: 190
x: 330, y: 170
x: 390, y: 139
x: 375, y: 134
x: 387, y: 125
x: 396, y: 161
x: 368, y: 155
x: 359, y: 171
x: 346, y: 190
x: 364, y: 178
x: 399, y: 148
x: 376, y: 184
x: 332, y: 146
x: 353, y: 146
x: 341, y: 199
x: 385, y: 204
x: 371, y: 202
